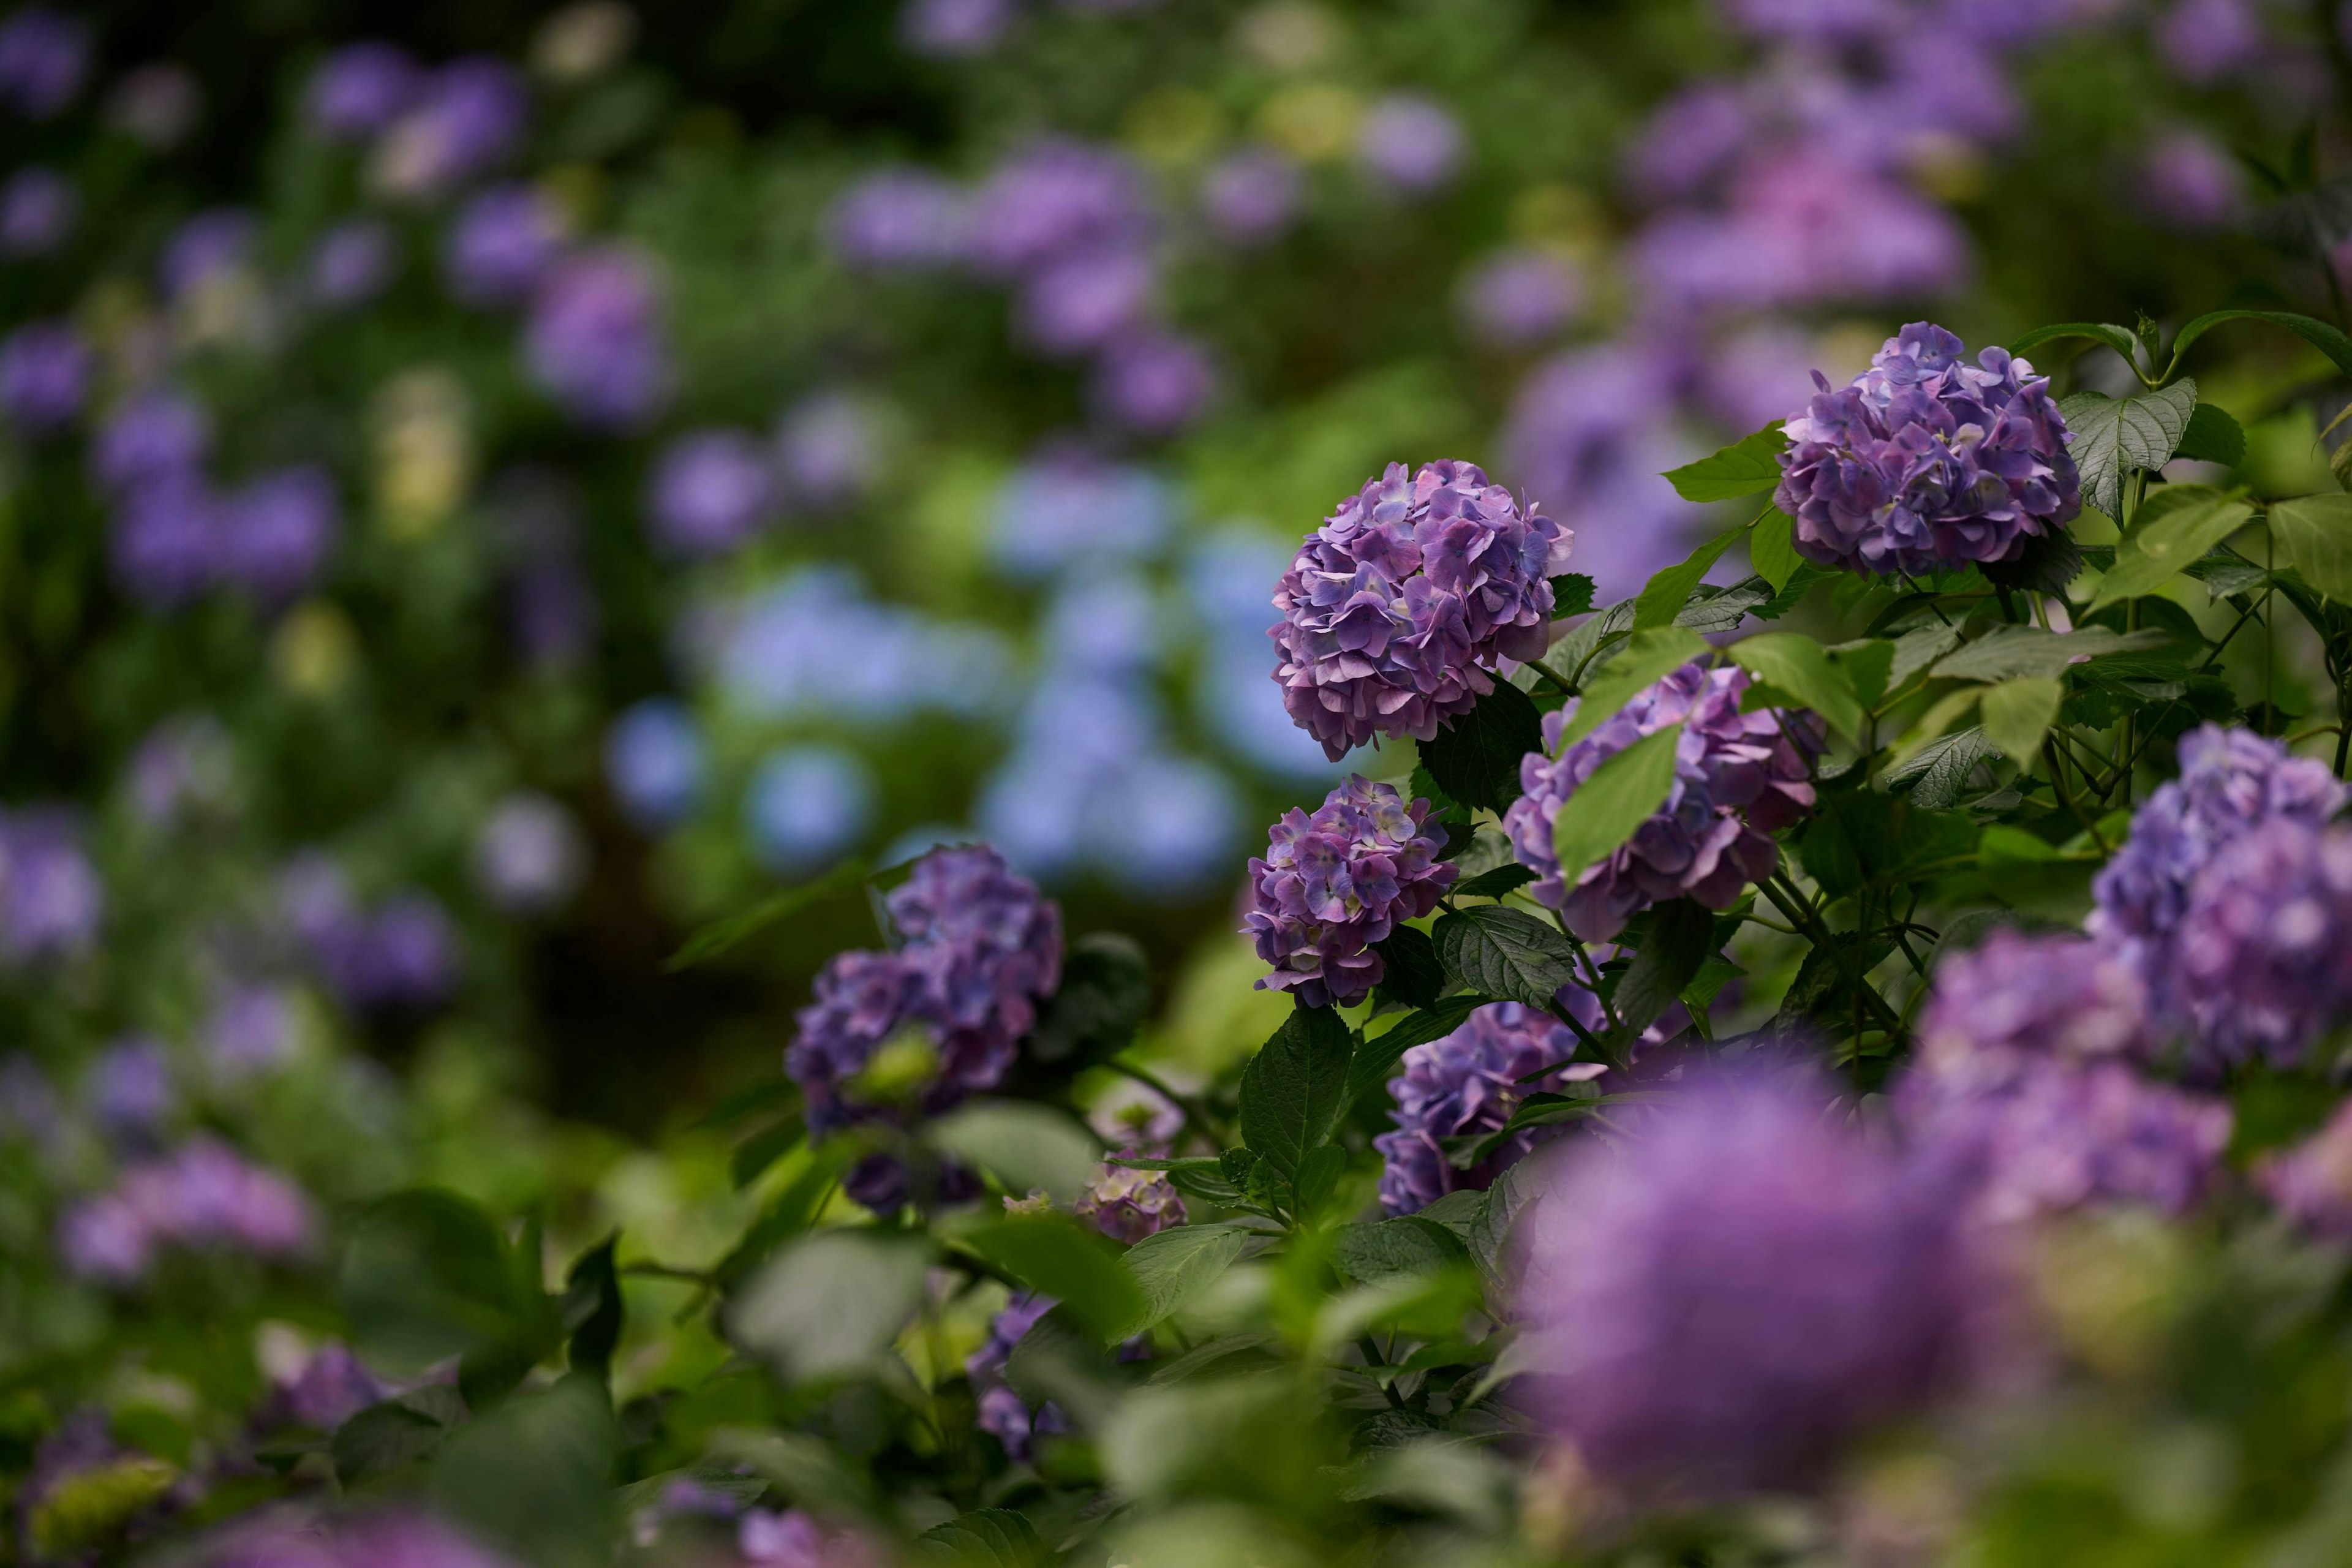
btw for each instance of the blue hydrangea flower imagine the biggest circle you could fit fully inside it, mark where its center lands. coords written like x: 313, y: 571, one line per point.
x: 710, y: 491
x: 1722, y: 1301
x: 654, y: 762
x: 1396, y: 610
x: 1469, y: 1083
x: 807, y: 805
x: 1739, y: 778
x: 1333, y: 884
x: 1924, y: 464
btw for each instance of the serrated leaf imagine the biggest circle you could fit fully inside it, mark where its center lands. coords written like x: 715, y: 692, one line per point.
x: 1025, y: 1146
x: 1800, y: 666
x: 1293, y: 1090
x: 393, y: 1434
x: 1499, y: 950
x: 1399, y: 1248
x: 2213, y: 436
x: 1610, y: 807
x: 1412, y: 974
x: 1496, y: 883
x: 1571, y: 594
x: 1490, y: 1233
x: 1379, y: 1055
x: 2048, y: 563
x: 1662, y: 599
x: 2115, y: 433
x: 2017, y: 713
x: 1579, y: 648
x: 1647, y: 657
x: 1058, y: 1255
x: 1475, y: 759
x: 2315, y: 531
x: 1175, y: 1265
x: 1941, y: 768
x: 1748, y: 465
x: 1918, y: 648
x: 1710, y: 609
x: 988, y: 1538
x: 1680, y: 940
x: 1772, y: 549
x: 2012, y: 651
x: 2177, y: 527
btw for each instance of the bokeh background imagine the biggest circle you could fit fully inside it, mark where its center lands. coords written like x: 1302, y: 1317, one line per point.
x: 487, y: 490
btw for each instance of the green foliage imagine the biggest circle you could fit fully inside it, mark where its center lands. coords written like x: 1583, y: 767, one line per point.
x: 1503, y: 951
x: 1475, y: 758
x: 1748, y: 465
x: 1625, y: 792
x: 1662, y: 599
x: 1294, y: 1089
x: 2316, y: 532
x: 2112, y: 434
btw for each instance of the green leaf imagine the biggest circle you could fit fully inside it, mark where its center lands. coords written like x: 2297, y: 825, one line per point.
x: 1413, y: 974
x: 1571, y: 594
x: 1069, y: 1260
x: 2327, y: 339
x: 2115, y: 433
x: 1318, y: 1177
x: 794, y: 1211
x: 988, y: 1538
x: 831, y: 1303
x: 535, y: 1477
x: 591, y: 1310
x: 2177, y: 525
x: 1681, y: 941
x: 1496, y: 883
x: 2117, y: 338
x: 1026, y: 1146
x: 1490, y: 1233
x: 2048, y: 563
x: 752, y: 1157
x: 2008, y: 652
x: 719, y: 936
x: 1475, y: 758
x: 1294, y: 1089
x: 428, y: 1275
x: 1175, y: 1265
x: 1797, y: 666
x: 393, y: 1434
x: 1399, y: 1248
x: 1647, y: 657
x: 1748, y: 465
x: 2316, y: 535
x: 1712, y: 609
x: 1105, y: 993
x: 1772, y: 549
x: 2213, y: 437
x: 2017, y: 713
x: 1503, y: 951
x: 1579, y: 651
x: 1941, y: 768
x: 1662, y: 599
x: 1622, y: 793
x: 1379, y: 1055
x: 2004, y: 847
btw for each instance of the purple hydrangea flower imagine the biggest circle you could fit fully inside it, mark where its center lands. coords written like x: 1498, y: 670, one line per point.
x: 275, y: 534
x: 900, y: 219
x: 211, y: 242
x: 2262, y: 952
x: 43, y: 59
x: 2026, y: 1076
x: 1723, y: 1300
x: 50, y: 898
x: 1924, y: 465
x: 1067, y: 507
x: 156, y: 435
x: 1004, y: 1415
x: 2232, y: 782
x: 1520, y: 297
x: 984, y: 947
x: 165, y: 542
x: 1692, y: 138
x: 1739, y: 778
x: 180, y: 763
x: 465, y: 120
x: 710, y: 491
x: 410, y: 959
x: 205, y: 1196
x: 251, y: 1028
x: 1128, y: 1204
x: 1335, y: 883
x: 529, y: 854
x: 2205, y: 41
x: 1251, y: 196
x: 2191, y: 184
x: 1075, y: 303
x: 43, y: 376
x: 2311, y: 1182
x: 795, y: 1539
x: 1411, y: 144
x: 501, y: 244
x: 38, y: 209
x: 594, y: 339
x: 360, y: 89
x: 1136, y: 1116
x: 132, y: 1090
x: 828, y: 450
x: 953, y: 29
x: 1154, y: 384
x: 333, y: 1387
x: 1467, y: 1084
x: 352, y: 263
x: 1053, y: 199
x: 1398, y: 607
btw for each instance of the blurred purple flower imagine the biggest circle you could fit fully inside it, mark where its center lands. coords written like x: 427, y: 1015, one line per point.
x: 156, y: 435
x: 899, y: 218
x: 333, y: 1387
x: 529, y: 856
x: 1923, y: 464
x: 501, y: 244
x: 43, y: 59
x: 953, y: 29
x: 828, y: 450
x: 1518, y: 298
x: 710, y: 491
x: 2206, y: 40
x: 2311, y: 1182
x: 1725, y: 1299
x: 360, y: 89
x: 251, y: 1028
x: 38, y: 209
x: 412, y: 958
x: 1136, y: 1116
x: 555, y: 609
x: 1822, y: 21
x: 1154, y: 384
x: 205, y: 1196
x: 1692, y: 138
x: 807, y: 805
x: 594, y: 339
x: 1127, y: 1205
x: 50, y: 898
x: 214, y: 241
x: 45, y: 370
x: 181, y: 763
x: 1334, y: 884
x: 2263, y: 946
x: 274, y: 536
x: 1411, y: 144
x: 166, y: 541
x: 1739, y: 778
x: 465, y: 120
x: 351, y: 264
x: 1067, y: 507
x: 1252, y: 196
x: 1466, y: 1084
x: 1077, y: 302
x: 132, y: 1090
x: 1003, y: 1414
x: 1056, y: 198
x: 1397, y: 608
x: 2018, y: 998
x: 2191, y: 184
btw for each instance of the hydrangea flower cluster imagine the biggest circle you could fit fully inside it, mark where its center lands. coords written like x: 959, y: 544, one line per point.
x: 594, y: 339
x: 401, y: 953
x: 2230, y: 782
x: 981, y: 950
x: 1924, y: 464
x: 205, y: 1196
x: 1739, y: 778
x: 2264, y: 947
x: 1741, y: 1288
x: 1003, y: 1414
x: 51, y: 899
x: 1333, y: 884
x: 1469, y: 1083
x: 1129, y: 1204
x: 1396, y: 610
x: 2311, y: 1182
